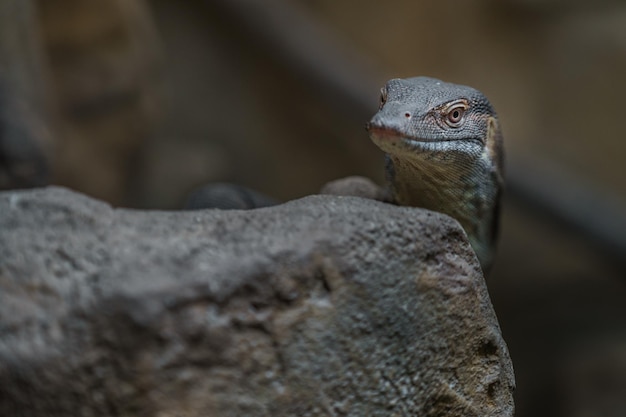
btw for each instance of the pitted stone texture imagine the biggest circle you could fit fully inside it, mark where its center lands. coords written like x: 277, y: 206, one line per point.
x: 324, y: 306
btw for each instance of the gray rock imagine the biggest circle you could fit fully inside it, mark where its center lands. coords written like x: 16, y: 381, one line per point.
x: 322, y: 306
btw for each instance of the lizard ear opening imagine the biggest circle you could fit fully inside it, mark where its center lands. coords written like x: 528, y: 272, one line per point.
x: 494, y: 146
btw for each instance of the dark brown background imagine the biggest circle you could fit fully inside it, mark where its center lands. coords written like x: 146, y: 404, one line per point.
x: 144, y: 100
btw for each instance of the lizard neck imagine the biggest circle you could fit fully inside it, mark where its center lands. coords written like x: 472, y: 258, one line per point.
x: 463, y: 188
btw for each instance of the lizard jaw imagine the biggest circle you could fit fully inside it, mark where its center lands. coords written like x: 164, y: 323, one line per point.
x: 392, y: 141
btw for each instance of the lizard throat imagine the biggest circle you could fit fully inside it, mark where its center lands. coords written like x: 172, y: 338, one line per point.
x: 461, y: 189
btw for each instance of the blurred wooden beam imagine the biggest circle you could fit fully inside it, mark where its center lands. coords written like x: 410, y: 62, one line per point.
x: 569, y: 201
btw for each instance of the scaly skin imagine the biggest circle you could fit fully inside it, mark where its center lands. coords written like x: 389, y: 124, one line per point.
x: 444, y: 153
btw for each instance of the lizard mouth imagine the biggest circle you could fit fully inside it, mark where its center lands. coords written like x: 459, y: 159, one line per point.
x: 390, y: 139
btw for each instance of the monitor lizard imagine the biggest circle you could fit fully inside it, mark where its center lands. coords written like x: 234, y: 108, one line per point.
x: 443, y: 151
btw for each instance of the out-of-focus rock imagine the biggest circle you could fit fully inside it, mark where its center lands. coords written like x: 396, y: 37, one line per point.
x: 321, y: 306
x: 103, y: 60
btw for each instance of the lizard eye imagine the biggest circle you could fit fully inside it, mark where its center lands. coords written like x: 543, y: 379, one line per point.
x: 383, y: 98
x: 454, y: 114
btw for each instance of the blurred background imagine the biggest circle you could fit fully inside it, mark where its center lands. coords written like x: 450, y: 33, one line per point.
x: 136, y: 102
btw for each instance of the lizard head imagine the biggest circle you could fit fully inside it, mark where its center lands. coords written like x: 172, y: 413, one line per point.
x: 425, y: 119
x: 444, y: 153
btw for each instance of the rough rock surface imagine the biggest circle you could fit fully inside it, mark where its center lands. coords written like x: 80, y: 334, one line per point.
x: 322, y: 306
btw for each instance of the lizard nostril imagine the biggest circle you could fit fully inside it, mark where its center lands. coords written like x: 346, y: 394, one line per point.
x: 407, y: 115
